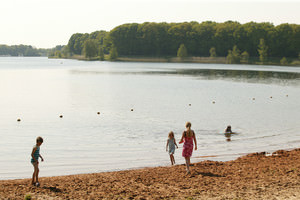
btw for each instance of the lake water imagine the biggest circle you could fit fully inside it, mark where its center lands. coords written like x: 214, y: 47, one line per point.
x: 261, y: 103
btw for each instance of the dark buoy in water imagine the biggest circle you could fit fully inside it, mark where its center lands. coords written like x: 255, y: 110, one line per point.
x: 61, y: 116
x: 271, y: 97
x: 98, y: 113
x: 131, y: 109
x: 18, y: 120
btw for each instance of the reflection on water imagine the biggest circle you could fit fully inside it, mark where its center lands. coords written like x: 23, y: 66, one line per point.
x: 251, y: 76
x: 239, y: 74
x: 228, y: 136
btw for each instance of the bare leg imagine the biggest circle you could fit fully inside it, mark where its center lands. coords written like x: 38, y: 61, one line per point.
x: 37, y: 173
x: 187, y: 162
x: 34, y: 173
x: 171, y: 159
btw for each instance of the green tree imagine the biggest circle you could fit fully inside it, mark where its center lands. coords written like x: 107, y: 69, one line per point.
x: 113, y: 53
x: 58, y: 54
x: 90, y: 48
x: 245, y: 57
x: 236, y: 55
x: 229, y: 57
x: 225, y: 37
x: 76, y: 43
x: 101, y: 53
x: 284, y: 61
x: 262, y: 50
x: 182, y: 52
x: 204, y: 36
x: 212, y: 52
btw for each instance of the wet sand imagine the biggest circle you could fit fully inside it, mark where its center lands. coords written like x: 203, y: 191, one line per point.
x: 255, y: 176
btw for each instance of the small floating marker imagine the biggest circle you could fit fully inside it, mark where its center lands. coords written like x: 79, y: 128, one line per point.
x: 18, y: 120
x: 98, y: 113
x: 61, y: 116
x: 131, y: 109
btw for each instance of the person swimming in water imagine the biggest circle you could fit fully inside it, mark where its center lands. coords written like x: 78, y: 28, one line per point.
x: 228, y: 132
x: 228, y: 129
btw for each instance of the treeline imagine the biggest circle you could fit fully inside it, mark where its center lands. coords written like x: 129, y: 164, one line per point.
x: 22, y: 50
x: 239, y: 43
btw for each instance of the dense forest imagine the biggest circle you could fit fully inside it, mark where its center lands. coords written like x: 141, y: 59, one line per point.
x: 231, y: 41
x: 261, y: 40
x: 22, y: 50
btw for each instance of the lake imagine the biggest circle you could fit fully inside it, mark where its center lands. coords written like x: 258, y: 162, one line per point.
x: 139, y: 103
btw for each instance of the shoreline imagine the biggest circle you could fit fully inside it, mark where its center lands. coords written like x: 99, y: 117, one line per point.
x: 253, y: 176
x: 191, y: 59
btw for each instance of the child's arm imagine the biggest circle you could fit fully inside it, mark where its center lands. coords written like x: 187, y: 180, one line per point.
x: 181, y: 141
x: 41, y: 158
x: 33, y: 150
x: 167, y: 145
x: 195, y: 141
x: 175, y: 143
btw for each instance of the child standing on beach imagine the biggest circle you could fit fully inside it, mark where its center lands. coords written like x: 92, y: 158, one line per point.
x: 35, y: 161
x: 188, y: 137
x: 171, y: 144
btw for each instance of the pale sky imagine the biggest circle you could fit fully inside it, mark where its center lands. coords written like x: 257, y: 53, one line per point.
x: 47, y: 23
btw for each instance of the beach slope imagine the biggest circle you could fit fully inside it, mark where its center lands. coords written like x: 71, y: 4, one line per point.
x: 255, y: 176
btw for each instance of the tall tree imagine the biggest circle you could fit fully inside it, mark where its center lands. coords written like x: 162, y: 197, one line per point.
x: 101, y: 53
x: 229, y: 57
x: 245, y: 57
x: 113, y: 53
x: 90, y: 48
x: 212, y: 52
x: 236, y: 54
x: 262, y: 50
x: 182, y: 52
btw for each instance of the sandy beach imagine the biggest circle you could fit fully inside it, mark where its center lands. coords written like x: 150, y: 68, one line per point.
x: 254, y: 176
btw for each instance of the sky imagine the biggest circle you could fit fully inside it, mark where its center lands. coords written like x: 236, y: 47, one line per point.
x: 47, y: 23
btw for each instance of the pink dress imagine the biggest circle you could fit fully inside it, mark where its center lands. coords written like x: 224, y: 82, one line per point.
x: 188, y: 146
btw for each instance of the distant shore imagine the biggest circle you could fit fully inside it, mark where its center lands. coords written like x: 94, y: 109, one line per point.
x: 207, y: 60
x: 254, y: 176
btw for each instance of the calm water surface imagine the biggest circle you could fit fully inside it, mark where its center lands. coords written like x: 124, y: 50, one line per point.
x: 261, y: 103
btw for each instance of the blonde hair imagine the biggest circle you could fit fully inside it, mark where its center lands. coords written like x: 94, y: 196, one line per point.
x: 171, y: 134
x: 188, y: 126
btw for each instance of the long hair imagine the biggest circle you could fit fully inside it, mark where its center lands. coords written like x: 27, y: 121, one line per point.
x: 188, y: 125
x: 171, y: 134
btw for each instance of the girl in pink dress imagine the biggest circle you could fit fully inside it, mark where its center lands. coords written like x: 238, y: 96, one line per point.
x: 188, y: 136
